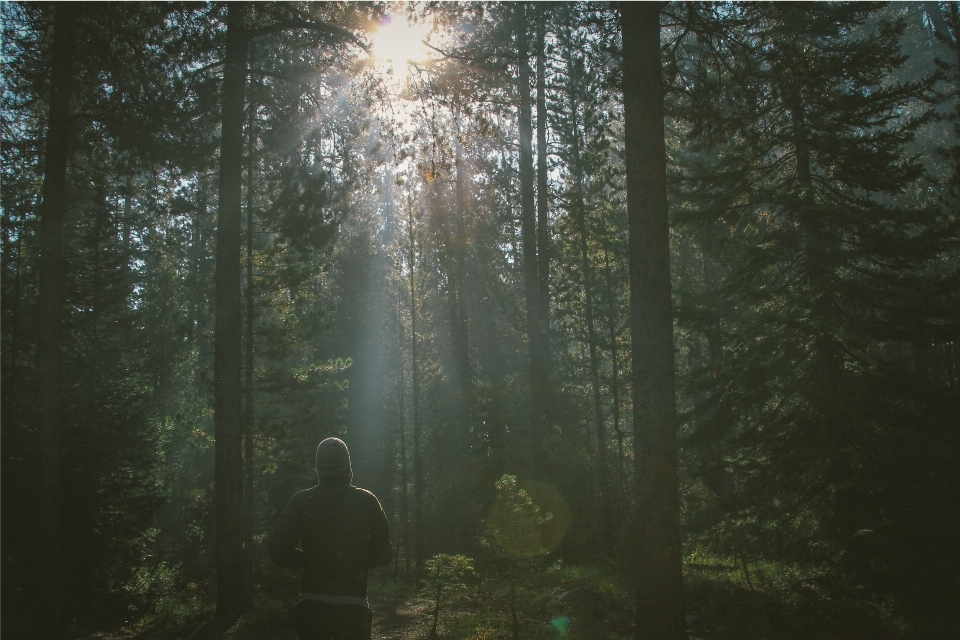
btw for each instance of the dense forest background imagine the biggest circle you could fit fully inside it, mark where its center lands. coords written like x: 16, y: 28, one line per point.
x: 230, y: 230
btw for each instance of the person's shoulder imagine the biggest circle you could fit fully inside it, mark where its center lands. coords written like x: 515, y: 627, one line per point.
x: 366, y: 496
x: 305, y: 495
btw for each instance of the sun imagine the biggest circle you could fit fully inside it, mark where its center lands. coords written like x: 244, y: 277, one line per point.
x: 399, y: 42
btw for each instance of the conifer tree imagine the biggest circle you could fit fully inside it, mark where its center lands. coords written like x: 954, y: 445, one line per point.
x: 52, y: 302
x: 660, y: 582
x: 796, y: 189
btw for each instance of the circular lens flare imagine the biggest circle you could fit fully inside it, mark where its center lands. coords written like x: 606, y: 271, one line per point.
x: 525, y: 534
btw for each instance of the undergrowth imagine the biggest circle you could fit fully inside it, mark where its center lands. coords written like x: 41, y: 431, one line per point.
x: 555, y: 599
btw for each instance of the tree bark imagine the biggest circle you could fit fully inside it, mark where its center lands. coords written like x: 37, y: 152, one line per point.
x: 660, y: 582
x: 614, y: 358
x: 528, y: 227
x: 17, y: 271
x: 227, y: 384
x: 404, y: 478
x: 248, y: 416
x: 127, y: 222
x: 543, y: 203
x: 461, y: 328
x: 52, y: 271
x: 198, y: 297
x: 417, y: 458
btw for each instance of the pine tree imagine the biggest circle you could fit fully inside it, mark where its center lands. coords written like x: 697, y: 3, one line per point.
x: 660, y: 582
x: 796, y: 188
x: 51, y: 305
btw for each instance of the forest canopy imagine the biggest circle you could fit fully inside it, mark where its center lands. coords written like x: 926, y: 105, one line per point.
x: 640, y: 319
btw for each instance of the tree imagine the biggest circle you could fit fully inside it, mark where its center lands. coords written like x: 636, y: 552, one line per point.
x: 660, y: 588
x: 528, y: 223
x: 106, y: 422
x: 424, y: 230
x: 227, y: 385
x: 51, y: 303
x: 829, y: 263
x: 418, y: 471
x: 581, y: 130
x: 231, y: 599
x: 543, y: 201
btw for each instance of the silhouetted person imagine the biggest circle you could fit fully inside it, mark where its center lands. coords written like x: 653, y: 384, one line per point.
x: 342, y: 532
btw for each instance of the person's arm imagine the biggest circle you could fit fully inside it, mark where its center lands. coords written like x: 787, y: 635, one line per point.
x: 386, y: 555
x: 285, y: 537
x: 381, y: 549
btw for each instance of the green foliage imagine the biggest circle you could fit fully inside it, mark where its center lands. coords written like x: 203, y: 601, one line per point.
x: 817, y: 311
x: 808, y: 282
x: 788, y: 598
x: 449, y: 571
x: 448, y: 574
x: 162, y: 596
x: 515, y: 522
x: 556, y: 600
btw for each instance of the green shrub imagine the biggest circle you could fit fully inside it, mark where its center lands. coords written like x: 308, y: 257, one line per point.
x: 160, y: 595
x: 448, y: 574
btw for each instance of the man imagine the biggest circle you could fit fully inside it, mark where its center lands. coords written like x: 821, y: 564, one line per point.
x: 342, y: 532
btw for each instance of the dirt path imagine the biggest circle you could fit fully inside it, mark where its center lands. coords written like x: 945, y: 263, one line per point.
x: 398, y: 616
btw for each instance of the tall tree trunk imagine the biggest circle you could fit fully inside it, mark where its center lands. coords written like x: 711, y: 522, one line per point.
x: 543, y: 203
x: 660, y: 581
x: 601, y: 430
x: 461, y: 328
x: 249, y: 416
x: 528, y: 227
x: 614, y: 356
x: 79, y: 517
x: 404, y: 478
x: 199, y: 250
x: 52, y: 268
x: 18, y: 271
x: 127, y: 221
x: 227, y: 386
x: 161, y: 379
x: 586, y: 269
x: 417, y: 458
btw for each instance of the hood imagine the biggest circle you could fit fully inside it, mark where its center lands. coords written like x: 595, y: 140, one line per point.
x: 333, y: 462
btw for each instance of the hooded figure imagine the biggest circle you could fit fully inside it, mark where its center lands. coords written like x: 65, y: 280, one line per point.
x: 342, y: 532
x: 333, y: 462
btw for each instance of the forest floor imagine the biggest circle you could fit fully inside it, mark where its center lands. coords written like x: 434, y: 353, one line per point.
x: 407, y: 615
x: 398, y: 613
x: 582, y: 603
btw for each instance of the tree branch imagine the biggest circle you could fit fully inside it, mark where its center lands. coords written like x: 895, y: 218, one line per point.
x: 338, y: 33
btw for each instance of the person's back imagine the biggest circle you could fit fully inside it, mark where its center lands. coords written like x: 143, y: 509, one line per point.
x: 342, y: 531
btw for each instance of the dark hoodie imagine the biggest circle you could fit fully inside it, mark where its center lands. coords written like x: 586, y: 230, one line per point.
x: 341, y: 529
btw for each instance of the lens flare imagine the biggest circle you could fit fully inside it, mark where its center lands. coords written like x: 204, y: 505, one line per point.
x: 560, y: 626
x: 531, y: 535
x: 398, y: 41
